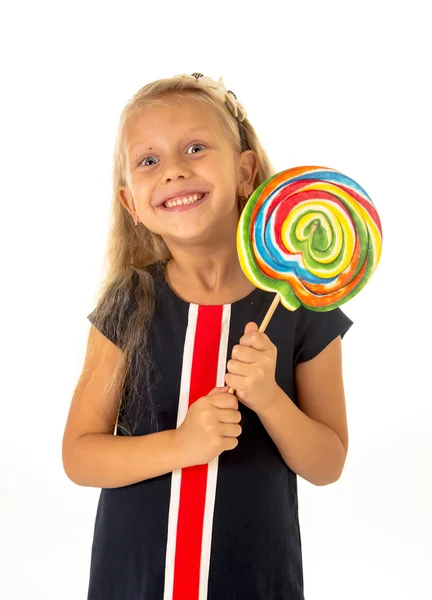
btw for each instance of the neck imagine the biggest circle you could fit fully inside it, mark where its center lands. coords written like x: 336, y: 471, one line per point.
x: 209, y: 272
x: 212, y: 265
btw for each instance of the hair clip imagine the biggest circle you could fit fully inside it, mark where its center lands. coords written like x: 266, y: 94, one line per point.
x: 218, y: 88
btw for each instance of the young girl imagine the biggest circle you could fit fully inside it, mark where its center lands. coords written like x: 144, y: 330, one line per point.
x: 195, y: 505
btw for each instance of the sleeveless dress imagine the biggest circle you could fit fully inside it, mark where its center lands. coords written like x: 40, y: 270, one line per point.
x: 229, y: 529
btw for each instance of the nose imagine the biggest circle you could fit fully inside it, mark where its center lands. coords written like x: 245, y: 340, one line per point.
x: 175, y: 168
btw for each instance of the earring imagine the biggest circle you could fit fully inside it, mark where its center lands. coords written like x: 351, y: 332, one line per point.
x: 245, y: 197
x: 136, y: 222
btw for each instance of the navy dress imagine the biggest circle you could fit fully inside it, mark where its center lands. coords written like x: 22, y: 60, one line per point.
x: 229, y: 529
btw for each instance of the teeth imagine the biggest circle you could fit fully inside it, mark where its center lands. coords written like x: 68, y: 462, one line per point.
x: 183, y: 200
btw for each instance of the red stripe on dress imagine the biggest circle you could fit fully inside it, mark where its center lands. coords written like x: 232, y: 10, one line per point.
x: 194, y: 479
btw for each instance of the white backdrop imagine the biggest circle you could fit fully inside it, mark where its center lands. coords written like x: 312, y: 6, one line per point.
x: 339, y: 84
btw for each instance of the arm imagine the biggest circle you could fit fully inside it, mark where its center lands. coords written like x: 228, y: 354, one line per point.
x: 312, y: 439
x: 92, y: 455
x: 105, y: 460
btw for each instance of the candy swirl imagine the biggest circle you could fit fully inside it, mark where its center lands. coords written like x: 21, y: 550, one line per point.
x: 312, y: 235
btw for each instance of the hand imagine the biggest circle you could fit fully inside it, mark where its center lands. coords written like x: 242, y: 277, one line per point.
x: 210, y: 427
x: 251, y: 370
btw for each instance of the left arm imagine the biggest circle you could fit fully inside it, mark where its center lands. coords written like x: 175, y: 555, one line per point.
x: 312, y: 439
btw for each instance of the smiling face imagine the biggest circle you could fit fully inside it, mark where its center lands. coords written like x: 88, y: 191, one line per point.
x: 171, y: 150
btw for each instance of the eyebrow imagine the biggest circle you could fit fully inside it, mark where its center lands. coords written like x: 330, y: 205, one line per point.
x: 199, y: 128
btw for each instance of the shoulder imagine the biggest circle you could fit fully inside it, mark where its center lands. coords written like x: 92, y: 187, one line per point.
x: 316, y: 329
x: 118, y: 303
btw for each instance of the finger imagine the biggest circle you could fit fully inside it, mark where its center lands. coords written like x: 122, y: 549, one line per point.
x: 218, y: 390
x: 245, y: 354
x: 251, y: 326
x: 257, y: 340
x: 236, y: 382
x: 237, y: 367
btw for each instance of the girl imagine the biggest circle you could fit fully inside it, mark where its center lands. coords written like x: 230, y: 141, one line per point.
x: 193, y: 505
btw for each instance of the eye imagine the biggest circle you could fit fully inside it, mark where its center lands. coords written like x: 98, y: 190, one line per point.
x: 144, y: 159
x: 147, y: 158
x: 196, y: 145
x: 144, y: 163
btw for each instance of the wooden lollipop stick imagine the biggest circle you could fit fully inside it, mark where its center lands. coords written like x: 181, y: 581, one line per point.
x: 265, y: 322
x: 269, y: 314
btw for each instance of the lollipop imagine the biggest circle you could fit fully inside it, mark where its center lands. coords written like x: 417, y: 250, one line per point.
x: 312, y: 235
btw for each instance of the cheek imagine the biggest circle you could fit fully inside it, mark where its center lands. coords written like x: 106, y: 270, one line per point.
x: 151, y: 218
x: 225, y: 176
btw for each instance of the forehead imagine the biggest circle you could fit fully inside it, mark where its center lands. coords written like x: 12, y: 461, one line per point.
x: 156, y: 124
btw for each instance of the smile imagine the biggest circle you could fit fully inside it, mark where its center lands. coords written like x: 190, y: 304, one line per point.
x: 184, y: 202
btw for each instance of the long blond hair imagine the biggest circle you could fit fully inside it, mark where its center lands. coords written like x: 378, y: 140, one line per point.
x: 126, y: 298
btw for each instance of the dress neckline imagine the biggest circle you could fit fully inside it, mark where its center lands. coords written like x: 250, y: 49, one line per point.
x: 174, y: 295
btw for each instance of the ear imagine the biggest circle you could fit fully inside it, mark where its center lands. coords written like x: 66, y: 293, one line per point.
x: 127, y: 200
x: 248, y: 171
x: 251, y: 327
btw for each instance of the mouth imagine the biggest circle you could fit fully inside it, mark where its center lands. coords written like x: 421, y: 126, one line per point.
x: 183, y: 203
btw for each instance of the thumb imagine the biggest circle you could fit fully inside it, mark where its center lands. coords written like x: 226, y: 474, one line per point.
x: 218, y: 390
x: 251, y: 327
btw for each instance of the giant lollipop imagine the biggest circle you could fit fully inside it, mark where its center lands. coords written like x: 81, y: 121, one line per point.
x: 310, y: 234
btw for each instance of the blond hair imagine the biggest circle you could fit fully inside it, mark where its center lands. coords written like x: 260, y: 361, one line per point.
x: 126, y: 298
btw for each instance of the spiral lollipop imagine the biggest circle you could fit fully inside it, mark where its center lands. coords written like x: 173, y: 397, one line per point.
x: 312, y: 235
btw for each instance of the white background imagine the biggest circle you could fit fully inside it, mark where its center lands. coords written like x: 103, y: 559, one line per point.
x: 339, y: 84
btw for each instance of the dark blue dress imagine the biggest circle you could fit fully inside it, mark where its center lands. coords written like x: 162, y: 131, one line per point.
x: 229, y: 529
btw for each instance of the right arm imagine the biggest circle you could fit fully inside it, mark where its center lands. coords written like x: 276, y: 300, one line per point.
x: 92, y: 455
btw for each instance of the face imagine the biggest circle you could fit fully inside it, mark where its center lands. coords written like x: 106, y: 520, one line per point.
x: 175, y: 149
